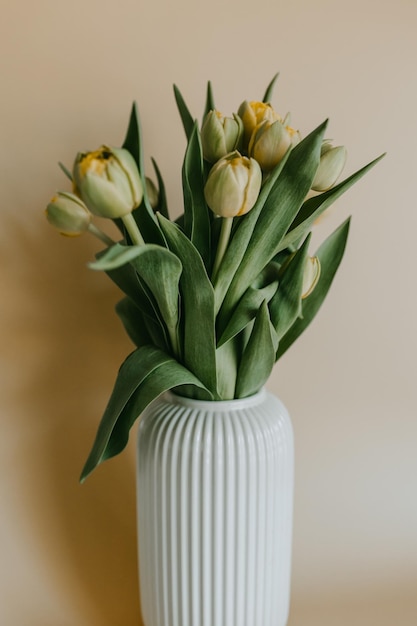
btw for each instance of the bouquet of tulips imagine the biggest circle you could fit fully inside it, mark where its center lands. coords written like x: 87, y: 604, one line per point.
x: 213, y: 299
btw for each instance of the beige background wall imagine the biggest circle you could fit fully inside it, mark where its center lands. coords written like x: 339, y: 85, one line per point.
x: 69, y: 72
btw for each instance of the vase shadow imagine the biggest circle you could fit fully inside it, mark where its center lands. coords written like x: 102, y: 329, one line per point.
x: 61, y: 349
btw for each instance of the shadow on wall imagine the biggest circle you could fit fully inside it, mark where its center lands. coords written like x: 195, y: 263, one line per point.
x: 61, y: 347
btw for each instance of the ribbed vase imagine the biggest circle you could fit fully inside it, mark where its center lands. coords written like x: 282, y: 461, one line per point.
x: 214, y: 493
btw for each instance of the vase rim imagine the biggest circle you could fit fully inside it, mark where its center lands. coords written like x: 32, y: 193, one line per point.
x: 237, y: 403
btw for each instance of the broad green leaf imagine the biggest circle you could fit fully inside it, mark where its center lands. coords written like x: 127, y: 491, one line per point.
x: 162, y: 197
x: 196, y: 213
x: 330, y: 254
x: 241, y: 235
x: 134, y: 322
x: 158, y: 267
x: 227, y: 362
x: 148, y: 228
x: 249, y: 304
x: 117, y: 256
x: 315, y: 206
x: 280, y: 208
x: 197, y: 297
x: 285, y: 306
x: 268, y: 93
x: 259, y: 356
x: 144, y: 375
x: 186, y: 117
x: 132, y: 285
x: 210, y: 106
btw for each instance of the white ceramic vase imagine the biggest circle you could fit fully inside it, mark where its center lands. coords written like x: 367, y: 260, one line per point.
x: 214, y: 493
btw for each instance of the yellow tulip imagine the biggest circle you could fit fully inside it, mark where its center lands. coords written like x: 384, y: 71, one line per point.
x: 108, y: 181
x: 270, y: 142
x: 254, y: 113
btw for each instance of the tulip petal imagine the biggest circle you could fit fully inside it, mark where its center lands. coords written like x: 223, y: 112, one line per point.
x: 102, y: 197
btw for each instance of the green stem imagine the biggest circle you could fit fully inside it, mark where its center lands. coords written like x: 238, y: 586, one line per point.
x: 100, y: 235
x: 132, y: 229
x: 225, y: 231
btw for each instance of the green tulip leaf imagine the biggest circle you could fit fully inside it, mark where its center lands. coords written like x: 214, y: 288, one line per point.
x: 197, y: 298
x: 127, y: 280
x: 330, y: 255
x: 132, y: 285
x: 196, y: 213
x: 249, y: 304
x: 186, y: 117
x: 144, y: 375
x: 278, y: 212
x: 314, y: 207
x: 162, y: 197
x: 158, y: 267
x: 285, y: 306
x: 116, y: 256
x: 134, y: 322
x: 258, y: 357
x: 210, y: 106
x: 144, y: 214
x: 269, y: 90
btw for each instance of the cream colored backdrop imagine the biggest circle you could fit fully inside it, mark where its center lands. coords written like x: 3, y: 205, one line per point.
x: 69, y: 72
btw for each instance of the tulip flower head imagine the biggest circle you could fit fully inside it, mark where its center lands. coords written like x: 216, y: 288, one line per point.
x: 220, y: 135
x: 108, y: 181
x: 233, y: 185
x: 332, y: 162
x: 68, y: 214
x: 270, y: 142
x: 254, y: 113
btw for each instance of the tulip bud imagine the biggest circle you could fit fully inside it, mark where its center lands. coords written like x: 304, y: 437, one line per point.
x: 270, y: 142
x: 312, y: 270
x: 68, y: 214
x: 332, y: 162
x: 108, y: 181
x: 254, y: 113
x: 151, y: 192
x: 233, y: 185
x: 220, y: 135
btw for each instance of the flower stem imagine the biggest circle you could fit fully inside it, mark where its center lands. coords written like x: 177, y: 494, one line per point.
x: 225, y: 231
x: 132, y: 229
x: 100, y: 235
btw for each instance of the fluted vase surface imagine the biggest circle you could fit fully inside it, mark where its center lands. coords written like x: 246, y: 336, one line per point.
x: 214, y: 493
